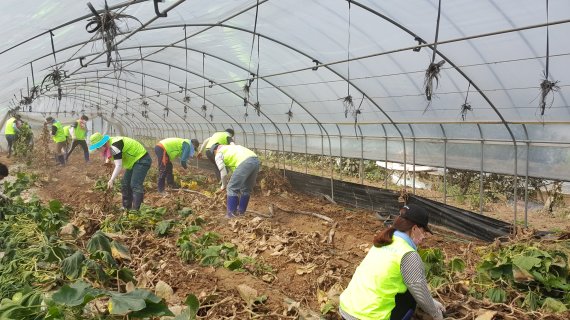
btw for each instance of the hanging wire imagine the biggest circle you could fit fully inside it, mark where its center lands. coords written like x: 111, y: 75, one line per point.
x: 186, y: 96
x: 431, y: 78
x: 166, y: 109
x: 257, y: 105
x: 247, y: 86
x: 347, y: 101
x: 466, y: 106
x: 290, y: 112
x: 204, y: 107
x: 547, y: 86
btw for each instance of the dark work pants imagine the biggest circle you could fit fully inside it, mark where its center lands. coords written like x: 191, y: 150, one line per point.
x: 405, y: 307
x: 83, y: 145
x: 10, y: 138
x: 164, y: 170
x: 132, y: 185
x: 212, y: 158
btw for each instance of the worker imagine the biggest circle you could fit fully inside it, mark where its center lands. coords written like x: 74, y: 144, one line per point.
x: 390, y: 281
x: 67, y: 138
x: 58, y: 135
x: 245, y: 165
x: 220, y: 138
x: 11, y: 130
x: 131, y: 155
x: 78, y: 133
x: 166, y: 151
x: 4, y: 200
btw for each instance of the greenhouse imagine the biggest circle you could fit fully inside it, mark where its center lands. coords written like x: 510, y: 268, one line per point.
x: 352, y: 110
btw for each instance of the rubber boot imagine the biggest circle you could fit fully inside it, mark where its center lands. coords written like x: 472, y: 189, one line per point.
x: 127, y: 200
x: 137, y: 200
x: 243, y: 201
x: 232, y: 206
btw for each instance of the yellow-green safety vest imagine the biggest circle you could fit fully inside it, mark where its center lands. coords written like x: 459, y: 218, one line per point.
x: 371, y: 292
x: 173, y: 146
x: 218, y: 137
x: 79, y: 133
x: 234, y: 155
x: 60, y: 133
x: 9, y: 129
x: 66, y: 131
x: 132, y: 151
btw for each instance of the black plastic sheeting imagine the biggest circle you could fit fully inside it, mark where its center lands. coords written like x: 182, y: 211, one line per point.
x: 385, y: 203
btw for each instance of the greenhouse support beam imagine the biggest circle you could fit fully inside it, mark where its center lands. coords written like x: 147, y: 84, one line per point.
x: 481, y: 173
x: 526, y: 177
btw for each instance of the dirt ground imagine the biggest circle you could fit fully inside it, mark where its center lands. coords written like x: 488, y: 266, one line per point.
x: 305, y: 253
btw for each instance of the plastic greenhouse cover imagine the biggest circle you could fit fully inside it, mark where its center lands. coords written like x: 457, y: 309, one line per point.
x: 304, y: 59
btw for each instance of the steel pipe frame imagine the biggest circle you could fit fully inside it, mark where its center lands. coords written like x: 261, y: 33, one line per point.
x: 118, y: 93
x: 95, y: 102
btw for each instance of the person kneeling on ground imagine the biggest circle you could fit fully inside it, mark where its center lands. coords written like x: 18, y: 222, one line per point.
x: 128, y: 153
x: 391, y: 281
x: 245, y: 165
x: 169, y: 149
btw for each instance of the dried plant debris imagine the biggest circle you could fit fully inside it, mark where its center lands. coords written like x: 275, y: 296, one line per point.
x: 432, y: 74
x: 257, y: 108
x: 105, y: 25
x: 186, y: 99
x: 464, y: 109
x: 546, y: 87
x: 348, y: 104
x: 55, y: 77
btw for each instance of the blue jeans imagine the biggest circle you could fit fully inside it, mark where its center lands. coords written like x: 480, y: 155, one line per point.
x: 243, y: 179
x: 165, y: 173
x: 133, y: 180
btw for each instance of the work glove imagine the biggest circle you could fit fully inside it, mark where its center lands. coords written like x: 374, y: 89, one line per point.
x: 440, y: 308
x: 183, y: 163
x: 110, y: 184
x: 220, y: 190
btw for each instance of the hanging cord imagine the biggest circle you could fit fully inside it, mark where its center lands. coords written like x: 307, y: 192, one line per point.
x: 53, y: 46
x: 166, y: 109
x: 256, y: 105
x: 547, y: 86
x: 204, y: 107
x: 432, y: 72
x: 247, y: 86
x: 186, y: 96
x: 290, y: 112
x: 347, y: 101
x: 466, y: 106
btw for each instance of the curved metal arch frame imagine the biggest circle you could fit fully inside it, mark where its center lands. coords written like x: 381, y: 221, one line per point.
x: 111, y: 98
x: 145, y: 74
x: 105, y: 107
x: 158, y: 126
x: 222, y: 86
x: 88, y: 100
x: 198, y: 75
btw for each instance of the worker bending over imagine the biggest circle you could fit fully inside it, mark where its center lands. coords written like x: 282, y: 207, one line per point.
x: 169, y: 149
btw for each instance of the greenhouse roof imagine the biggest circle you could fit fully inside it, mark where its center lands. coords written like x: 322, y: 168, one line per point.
x: 338, y: 69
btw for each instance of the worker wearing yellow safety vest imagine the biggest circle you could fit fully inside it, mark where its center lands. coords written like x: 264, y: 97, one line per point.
x: 11, y: 130
x: 78, y: 132
x: 169, y: 149
x: 245, y: 165
x: 59, y: 138
x: 67, y: 137
x: 131, y: 155
x: 220, y: 138
x: 391, y: 281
